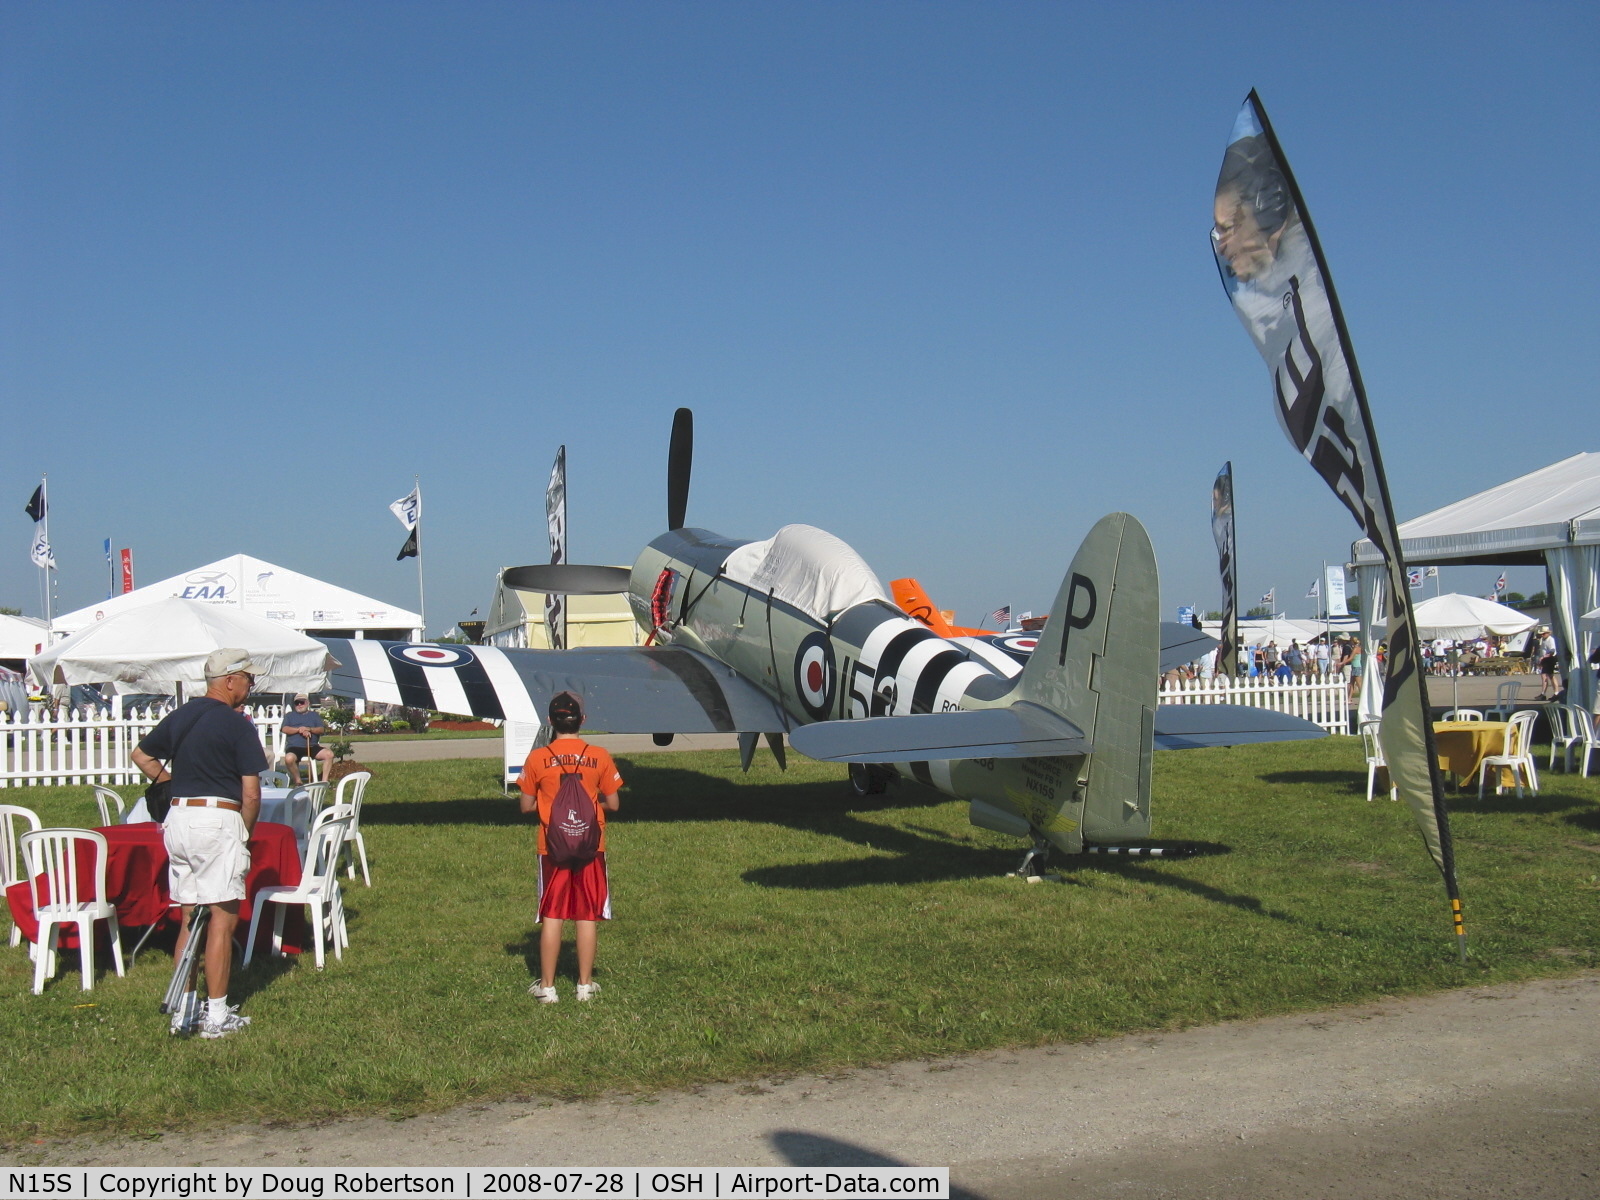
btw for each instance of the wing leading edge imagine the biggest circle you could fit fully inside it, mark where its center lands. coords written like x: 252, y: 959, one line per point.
x: 625, y: 689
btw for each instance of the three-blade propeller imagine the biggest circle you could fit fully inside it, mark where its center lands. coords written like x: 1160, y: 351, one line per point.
x: 579, y: 579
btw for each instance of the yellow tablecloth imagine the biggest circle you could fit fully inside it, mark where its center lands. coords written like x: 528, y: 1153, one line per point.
x: 1463, y: 745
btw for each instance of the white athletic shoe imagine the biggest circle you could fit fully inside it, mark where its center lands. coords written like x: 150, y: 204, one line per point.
x: 586, y: 991
x: 231, y: 1022
x: 545, y: 995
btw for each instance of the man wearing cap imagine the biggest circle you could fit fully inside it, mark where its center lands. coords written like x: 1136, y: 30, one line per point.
x: 580, y: 894
x: 303, y: 744
x: 217, y: 762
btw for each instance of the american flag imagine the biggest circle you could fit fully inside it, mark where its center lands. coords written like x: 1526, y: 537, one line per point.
x: 1001, y: 615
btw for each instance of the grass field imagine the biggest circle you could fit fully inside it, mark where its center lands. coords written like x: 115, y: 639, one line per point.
x: 769, y: 924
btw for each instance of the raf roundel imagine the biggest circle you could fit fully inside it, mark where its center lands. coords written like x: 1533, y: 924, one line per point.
x: 431, y: 656
x: 814, y: 675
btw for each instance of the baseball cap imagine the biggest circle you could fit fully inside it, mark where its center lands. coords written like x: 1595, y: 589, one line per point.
x: 299, y: 696
x: 229, y: 661
x: 565, y: 704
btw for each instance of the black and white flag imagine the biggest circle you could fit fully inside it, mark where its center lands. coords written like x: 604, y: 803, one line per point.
x: 1274, y: 271
x: 408, y: 511
x: 555, y: 515
x: 38, y: 508
x: 1222, y: 532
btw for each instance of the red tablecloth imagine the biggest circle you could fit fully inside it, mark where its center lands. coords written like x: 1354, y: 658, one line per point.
x: 136, y: 880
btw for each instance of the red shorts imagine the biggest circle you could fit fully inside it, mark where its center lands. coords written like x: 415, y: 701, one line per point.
x: 574, y: 893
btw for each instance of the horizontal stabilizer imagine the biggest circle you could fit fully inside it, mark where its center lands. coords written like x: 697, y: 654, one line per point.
x: 1021, y: 731
x: 1182, y: 643
x: 1192, y: 726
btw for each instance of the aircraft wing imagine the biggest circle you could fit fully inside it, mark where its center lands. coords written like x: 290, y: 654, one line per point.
x: 625, y: 689
x: 1182, y: 643
x: 1021, y: 731
x: 1192, y: 726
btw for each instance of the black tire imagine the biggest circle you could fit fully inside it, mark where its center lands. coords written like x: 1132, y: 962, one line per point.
x: 867, y: 780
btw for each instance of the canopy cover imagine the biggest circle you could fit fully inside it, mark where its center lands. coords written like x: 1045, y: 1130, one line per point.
x: 808, y: 568
x: 1454, y: 615
x: 157, y: 645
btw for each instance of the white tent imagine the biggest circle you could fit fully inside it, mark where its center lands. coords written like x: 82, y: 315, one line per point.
x: 20, y: 637
x: 1454, y: 615
x: 1590, y: 620
x: 154, y: 646
x: 1550, y: 517
x: 258, y: 588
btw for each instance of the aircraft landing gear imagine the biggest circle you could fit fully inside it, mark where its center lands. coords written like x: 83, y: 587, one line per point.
x: 1032, y: 864
x: 869, y: 779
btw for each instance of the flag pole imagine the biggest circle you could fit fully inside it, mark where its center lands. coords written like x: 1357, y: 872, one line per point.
x: 49, y: 598
x: 422, y: 596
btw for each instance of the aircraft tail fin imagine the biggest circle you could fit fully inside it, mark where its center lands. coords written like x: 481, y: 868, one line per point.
x: 1097, y: 665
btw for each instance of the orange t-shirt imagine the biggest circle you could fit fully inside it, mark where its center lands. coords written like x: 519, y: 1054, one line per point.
x: 542, y: 771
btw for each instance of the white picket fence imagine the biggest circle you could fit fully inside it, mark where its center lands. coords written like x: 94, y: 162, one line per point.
x: 1324, y: 700
x: 37, y: 749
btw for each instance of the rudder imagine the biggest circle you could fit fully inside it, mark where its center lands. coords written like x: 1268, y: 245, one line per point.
x: 1098, y: 665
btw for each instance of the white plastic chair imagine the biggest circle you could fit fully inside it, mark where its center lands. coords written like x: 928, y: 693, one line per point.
x: 11, y: 815
x: 278, y: 779
x: 1505, y: 701
x: 111, y: 805
x: 1585, y: 738
x: 1562, y: 735
x: 1462, y: 714
x: 357, y: 782
x: 1374, y: 752
x: 318, y: 889
x: 50, y: 856
x: 1517, y: 755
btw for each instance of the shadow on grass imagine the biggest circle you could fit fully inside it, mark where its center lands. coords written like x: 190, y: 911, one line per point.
x: 1138, y: 873
x: 1588, y: 819
x: 1544, y: 804
x: 1350, y: 779
x: 467, y: 810
x: 566, y: 962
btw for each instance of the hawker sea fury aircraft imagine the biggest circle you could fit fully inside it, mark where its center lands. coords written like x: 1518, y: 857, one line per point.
x: 1045, y: 735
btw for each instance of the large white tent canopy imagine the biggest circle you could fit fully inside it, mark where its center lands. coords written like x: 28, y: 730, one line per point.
x: 259, y: 588
x: 1455, y: 616
x: 21, y: 637
x: 1551, y: 516
x: 154, y: 646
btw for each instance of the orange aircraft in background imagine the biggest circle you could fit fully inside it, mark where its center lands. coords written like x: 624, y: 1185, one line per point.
x: 908, y: 594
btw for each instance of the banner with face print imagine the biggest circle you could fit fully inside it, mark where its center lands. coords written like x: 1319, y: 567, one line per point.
x: 1222, y: 533
x: 555, y: 515
x: 1274, y: 271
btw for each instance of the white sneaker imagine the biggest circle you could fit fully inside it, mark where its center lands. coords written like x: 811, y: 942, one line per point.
x: 231, y: 1022
x: 586, y: 991
x: 545, y: 995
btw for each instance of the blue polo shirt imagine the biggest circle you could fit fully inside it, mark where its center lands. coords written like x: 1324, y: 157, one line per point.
x: 215, y: 747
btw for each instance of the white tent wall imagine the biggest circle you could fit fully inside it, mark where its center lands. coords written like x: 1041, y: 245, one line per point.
x: 1551, y: 515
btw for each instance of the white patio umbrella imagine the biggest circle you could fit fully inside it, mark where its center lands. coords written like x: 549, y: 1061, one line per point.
x: 1454, y: 616
x: 157, y: 646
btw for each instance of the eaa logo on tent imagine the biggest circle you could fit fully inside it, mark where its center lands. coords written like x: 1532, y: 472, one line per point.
x: 207, y: 585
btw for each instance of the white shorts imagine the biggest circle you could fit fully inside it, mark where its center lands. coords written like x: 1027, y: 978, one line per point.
x: 208, y: 854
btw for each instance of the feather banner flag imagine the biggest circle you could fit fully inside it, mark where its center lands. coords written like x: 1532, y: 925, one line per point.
x: 555, y: 515
x: 1222, y: 532
x: 1274, y: 271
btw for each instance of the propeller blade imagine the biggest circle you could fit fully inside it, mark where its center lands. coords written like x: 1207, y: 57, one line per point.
x: 680, y: 458
x: 568, y: 579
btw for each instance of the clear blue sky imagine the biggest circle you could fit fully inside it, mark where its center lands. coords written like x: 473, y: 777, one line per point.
x: 933, y: 276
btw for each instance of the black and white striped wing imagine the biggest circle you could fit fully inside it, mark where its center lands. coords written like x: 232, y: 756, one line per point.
x: 625, y: 689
